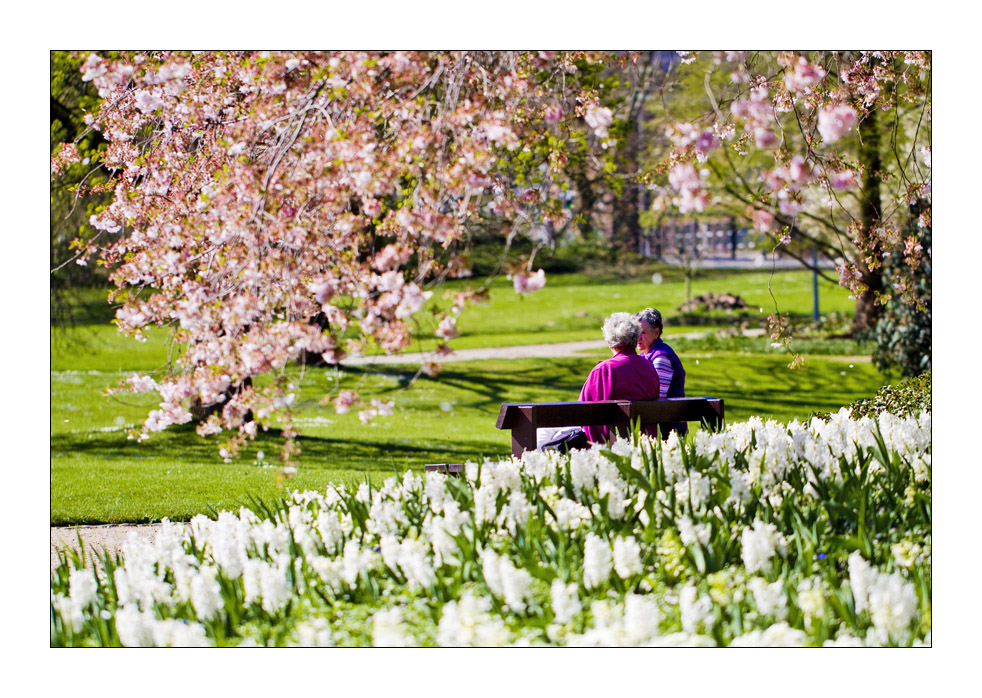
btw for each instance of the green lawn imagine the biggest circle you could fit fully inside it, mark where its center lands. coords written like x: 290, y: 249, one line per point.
x: 98, y: 475
x: 573, y: 307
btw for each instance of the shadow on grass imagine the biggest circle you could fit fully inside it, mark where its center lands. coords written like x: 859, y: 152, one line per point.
x: 491, y: 383
x: 182, y: 444
x: 493, y: 387
x: 783, y: 394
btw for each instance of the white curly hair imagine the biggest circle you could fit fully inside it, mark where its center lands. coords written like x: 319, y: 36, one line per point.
x: 621, y: 331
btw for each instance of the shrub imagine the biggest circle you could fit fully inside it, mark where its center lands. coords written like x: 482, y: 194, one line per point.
x: 903, y: 333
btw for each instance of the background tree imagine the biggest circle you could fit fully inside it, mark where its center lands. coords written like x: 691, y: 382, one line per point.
x: 822, y: 150
x: 77, y: 188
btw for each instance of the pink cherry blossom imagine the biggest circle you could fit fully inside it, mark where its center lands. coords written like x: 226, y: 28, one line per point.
x: 529, y: 283
x: 687, y: 181
x: 256, y: 263
x: 553, y: 113
x: 383, y: 407
x: 599, y: 118
x: 94, y: 67
x: 926, y: 156
x: 149, y: 101
x: 763, y: 220
x: 756, y: 108
x: 836, y: 121
x: 803, y: 76
x: 777, y: 101
x: 413, y: 298
x: 344, y: 401
x: 843, y: 179
x: 683, y: 134
x: 790, y: 207
x: 851, y: 277
x: 764, y: 137
x: 67, y: 155
x: 447, y: 328
x: 800, y: 171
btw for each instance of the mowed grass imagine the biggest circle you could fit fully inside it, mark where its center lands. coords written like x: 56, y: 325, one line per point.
x: 98, y: 475
x: 573, y: 307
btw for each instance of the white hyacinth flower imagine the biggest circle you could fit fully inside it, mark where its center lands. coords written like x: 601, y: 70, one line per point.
x: 893, y: 605
x: 760, y: 543
x: 206, y: 593
x: 565, y: 601
x: 627, y: 557
x: 597, y: 561
x: 770, y: 599
x: 696, y: 609
x: 388, y: 629
x: 82, y: 587
x: 468, y: 623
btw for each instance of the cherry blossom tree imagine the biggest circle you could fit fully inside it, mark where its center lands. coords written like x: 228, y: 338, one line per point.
x: 820, y: 150
x: 271, y: 206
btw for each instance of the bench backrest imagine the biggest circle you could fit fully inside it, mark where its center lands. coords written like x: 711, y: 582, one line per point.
x: 524, y: 418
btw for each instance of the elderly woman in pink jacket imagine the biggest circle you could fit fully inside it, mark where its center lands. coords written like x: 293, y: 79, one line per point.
x: 624, y: 376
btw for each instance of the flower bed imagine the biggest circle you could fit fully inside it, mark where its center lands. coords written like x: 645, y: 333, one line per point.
x: 762, y: 534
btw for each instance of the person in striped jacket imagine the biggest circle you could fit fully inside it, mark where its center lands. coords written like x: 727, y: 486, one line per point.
x: 671, y: 374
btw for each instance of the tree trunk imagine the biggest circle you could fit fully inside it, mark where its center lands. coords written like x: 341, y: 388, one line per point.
x: 870, y: 211
x: 627, y: 224
x: 200, y: 412
x: 867, y: 310
x: 588, y: 199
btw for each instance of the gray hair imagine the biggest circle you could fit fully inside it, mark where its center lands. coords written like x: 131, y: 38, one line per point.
x: 621, y: 331
x: 650, y: 316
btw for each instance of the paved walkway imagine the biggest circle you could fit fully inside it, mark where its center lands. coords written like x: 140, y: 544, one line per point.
x: 747, y: 259
x: 96, y: 538
x: 521, y: 352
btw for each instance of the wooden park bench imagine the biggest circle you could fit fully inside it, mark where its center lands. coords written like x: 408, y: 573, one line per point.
x: 524, y: 418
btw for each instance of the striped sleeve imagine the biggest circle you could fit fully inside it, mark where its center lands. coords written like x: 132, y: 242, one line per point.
x: 663, y: 366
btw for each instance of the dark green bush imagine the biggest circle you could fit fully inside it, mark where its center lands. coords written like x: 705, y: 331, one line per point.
x: 903, y: 334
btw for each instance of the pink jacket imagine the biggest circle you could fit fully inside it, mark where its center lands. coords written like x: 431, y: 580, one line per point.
x: 624, y: 376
